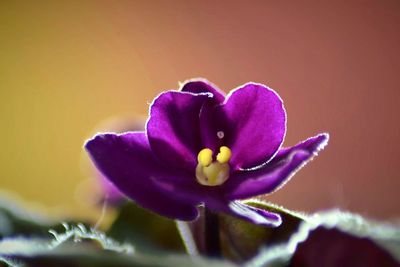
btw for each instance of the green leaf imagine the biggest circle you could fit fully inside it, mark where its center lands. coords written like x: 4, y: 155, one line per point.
x: 147, y: 230
x: 14, y: 220
x: 242, y: 240
x: 17, y: 221
x: 335, y: 236
x: 79, y: 246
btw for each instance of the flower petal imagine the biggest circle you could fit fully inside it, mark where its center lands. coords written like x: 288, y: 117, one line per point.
x: 246, y: 212
x: 110, y: 193
x: 207, y: 130
x: 127, y: 161
x: 276, y: 173
x: 173, y: 128
x: 252, y: 122
x: 201, y: 85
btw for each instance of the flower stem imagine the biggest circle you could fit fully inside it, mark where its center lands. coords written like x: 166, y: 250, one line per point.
x: 212, y: 239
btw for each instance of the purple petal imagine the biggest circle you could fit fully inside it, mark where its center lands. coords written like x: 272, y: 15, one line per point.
x: 246, y: 212
x: 173, y: 128
x: 251, y: 122
x: 127, y: 161
x: 200, y: 85
x: 209, y: 128
x: 110, y: 193
x: 271, y: 176
x: 208, y: 135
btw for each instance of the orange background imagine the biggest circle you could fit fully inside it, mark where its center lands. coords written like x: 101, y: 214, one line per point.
x: 66, y: 66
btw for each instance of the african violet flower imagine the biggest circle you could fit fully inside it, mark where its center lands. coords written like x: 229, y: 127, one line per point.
x: 108, y: 191
x: 202, y: 147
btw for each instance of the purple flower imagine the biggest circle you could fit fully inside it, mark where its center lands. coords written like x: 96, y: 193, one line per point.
x: 108, y: 191
x: 202, y: 147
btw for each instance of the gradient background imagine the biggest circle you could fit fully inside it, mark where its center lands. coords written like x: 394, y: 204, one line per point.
x: 66, y: 66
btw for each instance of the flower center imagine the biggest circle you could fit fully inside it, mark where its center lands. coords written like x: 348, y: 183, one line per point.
x: 212, y: 173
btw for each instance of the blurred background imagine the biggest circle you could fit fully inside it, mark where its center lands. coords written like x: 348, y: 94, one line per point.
x: 66, y: 67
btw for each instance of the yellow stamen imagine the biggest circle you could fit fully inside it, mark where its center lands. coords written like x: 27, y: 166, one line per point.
x: 214, y: 174
x: 224, y: 154
x: 205, y: 157
x: 211, y: 173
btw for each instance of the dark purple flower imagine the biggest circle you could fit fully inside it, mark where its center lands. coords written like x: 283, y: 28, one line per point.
x: 202, y: 147
x: 108, y: 191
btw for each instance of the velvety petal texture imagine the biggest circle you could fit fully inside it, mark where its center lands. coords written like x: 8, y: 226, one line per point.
x: 208, y: 132
x: 127, y: 161
x: 252, y: 123
x: 110, y: 193
x: 276, y: 173
x: 254, y: 215
x: 248, y: 213
x: 200, y: 85
x: 173, y: 128
x: 159, y: 168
